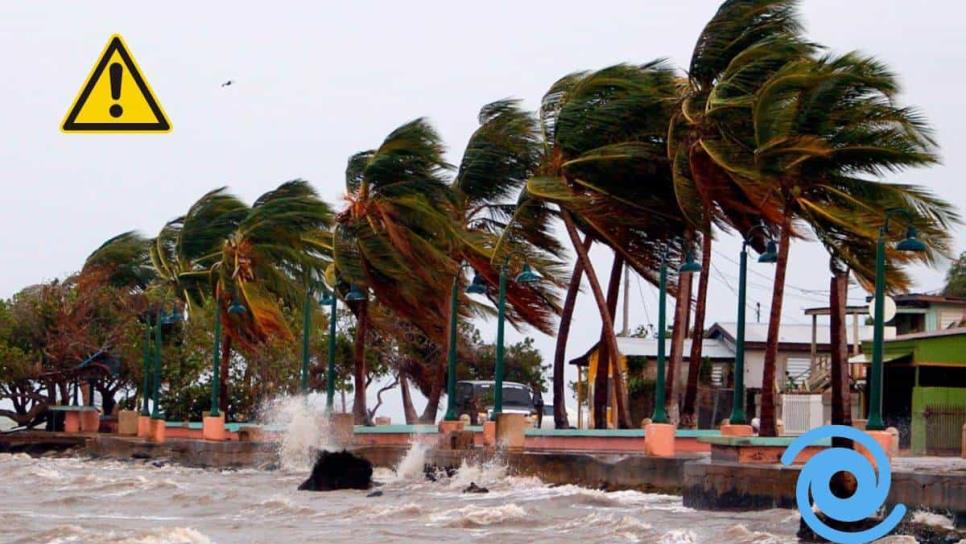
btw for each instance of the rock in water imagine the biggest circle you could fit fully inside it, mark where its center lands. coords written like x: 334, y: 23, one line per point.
x: 338, y: 470
x: 473, y: 488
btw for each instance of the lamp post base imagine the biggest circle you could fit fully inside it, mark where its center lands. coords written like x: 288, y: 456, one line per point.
x: 213, y: 428
x: 144, y: 426
x: 510, y: 430
x: 886, y: 441
x: 158, y: 431
x: 659, y: 440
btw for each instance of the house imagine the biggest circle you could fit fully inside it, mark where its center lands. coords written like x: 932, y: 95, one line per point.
x: 721, y: 357
x: 927, y: 313
x: 924, y: 389
x: 798, y: 346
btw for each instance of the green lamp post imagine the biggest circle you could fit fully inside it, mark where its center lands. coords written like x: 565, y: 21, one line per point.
x: 660, y: 398
x: 526, y: 276
x: 912, y: 244
x: 235, y: 308
x: 156, y: 410
x: 329, y: 299
x: 738, y: 416
x: 162, y: 318
x: 476, y: 287
x: 145, y: 409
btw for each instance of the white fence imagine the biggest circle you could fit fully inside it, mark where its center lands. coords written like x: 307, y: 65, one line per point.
x: 802, y: 413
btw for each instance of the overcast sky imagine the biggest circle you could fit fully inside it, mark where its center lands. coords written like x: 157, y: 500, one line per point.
x: 316, y: 83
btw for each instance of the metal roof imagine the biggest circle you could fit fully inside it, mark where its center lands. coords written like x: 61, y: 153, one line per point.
x: 792, y: 333
x: 647, y: 347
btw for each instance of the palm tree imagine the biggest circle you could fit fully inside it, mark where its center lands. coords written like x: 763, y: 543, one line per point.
x: 737, y: 50
x: 605, y: 168
x: 126, y: 258
x: 499, y: 218
x: 825, y: 131
x: 397, y: 236
x: 259, y: 257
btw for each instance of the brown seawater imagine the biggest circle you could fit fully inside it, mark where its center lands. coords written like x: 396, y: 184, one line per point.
x: 62, y: 500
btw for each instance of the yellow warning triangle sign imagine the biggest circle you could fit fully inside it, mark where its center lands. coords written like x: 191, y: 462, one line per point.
x: 116, y: 97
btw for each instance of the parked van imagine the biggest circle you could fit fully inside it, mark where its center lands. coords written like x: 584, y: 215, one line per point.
x: 477, y: 396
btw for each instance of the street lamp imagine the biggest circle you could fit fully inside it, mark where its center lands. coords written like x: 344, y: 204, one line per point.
x: 770, y: 255
x: 329, y: 299
x: 476, y: 287
x: 355, y: 294
x: 526, y: 276
x: 689, y: 267
x: 161, y: 319
x: 910, y: 243
x: 145, y: 410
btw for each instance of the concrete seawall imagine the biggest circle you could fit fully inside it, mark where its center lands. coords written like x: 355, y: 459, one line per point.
x: 920, y: 483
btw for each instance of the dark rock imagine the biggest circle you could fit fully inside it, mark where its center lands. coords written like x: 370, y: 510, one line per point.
x: 338, y: 470
x: 473, y: 488
x: 157, y: 464
x: 140, y: 455
x: 434, y: 473
x: 374, y: 494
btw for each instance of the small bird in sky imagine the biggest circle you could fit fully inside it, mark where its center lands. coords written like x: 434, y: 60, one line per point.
x: 227, y: 83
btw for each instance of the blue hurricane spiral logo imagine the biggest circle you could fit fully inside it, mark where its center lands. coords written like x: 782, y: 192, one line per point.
x: 870, y: 493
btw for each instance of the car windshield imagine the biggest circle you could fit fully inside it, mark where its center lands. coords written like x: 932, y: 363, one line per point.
x: 516, y: 396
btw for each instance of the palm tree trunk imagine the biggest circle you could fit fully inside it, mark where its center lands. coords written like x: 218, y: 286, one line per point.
x: 359, y: 412
x: 563, y: 334
x: 409, y: 411
x: 768, y: 420
x: 435, y: 392
x: 608, y: 321
x: 838, y: 365
x: 675, y: 362
x: 689, y: 413
x: 604, y: 359
x: 223, y: 376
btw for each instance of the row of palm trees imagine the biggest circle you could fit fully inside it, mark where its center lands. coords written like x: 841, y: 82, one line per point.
x: 765, y: 130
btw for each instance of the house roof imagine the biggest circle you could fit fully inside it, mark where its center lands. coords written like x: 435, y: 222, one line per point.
x: 931, y: 334
x: 788, y: 334
x: 849, y: 310
x: 712, y: 348
x: 924, y: 300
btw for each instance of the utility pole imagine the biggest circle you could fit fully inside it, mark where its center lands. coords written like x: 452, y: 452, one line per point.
x: 627, y: 301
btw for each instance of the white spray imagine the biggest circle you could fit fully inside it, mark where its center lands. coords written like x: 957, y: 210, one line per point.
x: 302, y: 427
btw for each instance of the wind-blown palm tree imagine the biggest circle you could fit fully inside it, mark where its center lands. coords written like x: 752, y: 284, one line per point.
x: 606, y: 169
x: 826, y: 131
x: 745, y: 42
x: 398, y: 236
x: 500, y: 218
x: 262, y: 257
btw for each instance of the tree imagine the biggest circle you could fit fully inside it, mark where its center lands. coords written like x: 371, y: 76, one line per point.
x: 826, y: 130
x: 956, y: 278
x: 398, y: 236
x: 740, y: 46
x: 500, y: 218
x: 261, y: 257
x: 605, y: 168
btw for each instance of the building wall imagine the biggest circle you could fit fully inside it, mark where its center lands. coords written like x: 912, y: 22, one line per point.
x: 940, y: 316
x: 942, y: 428
x: 755, y: 364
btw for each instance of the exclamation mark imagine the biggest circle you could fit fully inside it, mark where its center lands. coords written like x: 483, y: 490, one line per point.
x: 116, y: 70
